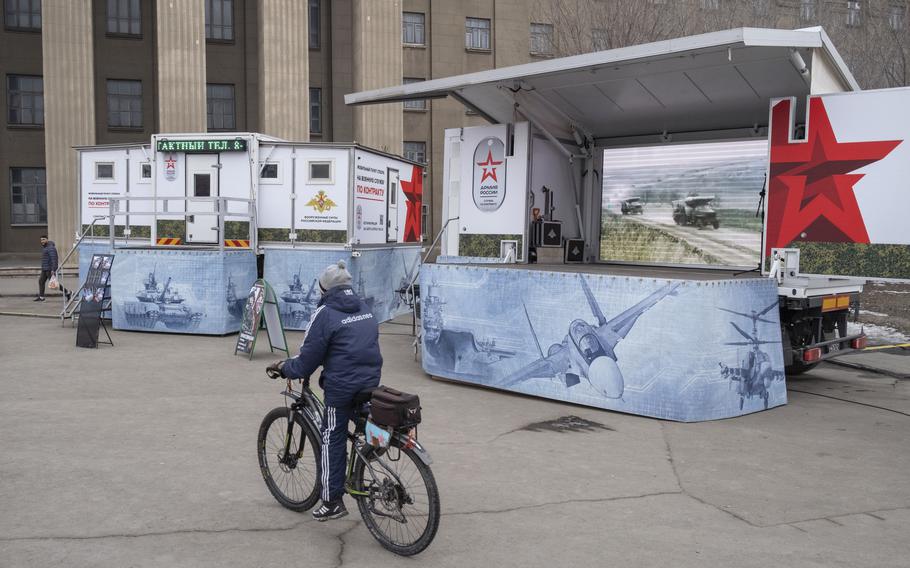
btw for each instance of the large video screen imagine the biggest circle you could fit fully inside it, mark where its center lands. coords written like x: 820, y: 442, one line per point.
x: 684, y: 204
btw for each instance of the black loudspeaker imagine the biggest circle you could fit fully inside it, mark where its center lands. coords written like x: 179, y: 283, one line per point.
x: 532, y: 255
x: 552, y: 234
x: 575, y: 250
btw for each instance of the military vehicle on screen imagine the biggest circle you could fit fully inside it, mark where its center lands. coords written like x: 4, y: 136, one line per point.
x: 756, y: 374
x: 632, y: 206
x: 164, y: 305
x: 695, y: 210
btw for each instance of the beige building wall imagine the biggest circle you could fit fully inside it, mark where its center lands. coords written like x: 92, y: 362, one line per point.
x: 180, y: 35
x: 69, y: 103
x: 377, y: 63
x: 284, y: 92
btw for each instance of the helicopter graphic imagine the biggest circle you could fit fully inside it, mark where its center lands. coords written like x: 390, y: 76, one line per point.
x: 587, y: 352
x: 755, y: 375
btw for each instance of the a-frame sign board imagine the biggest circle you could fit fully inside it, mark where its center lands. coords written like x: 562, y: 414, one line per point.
x: 261, y: 310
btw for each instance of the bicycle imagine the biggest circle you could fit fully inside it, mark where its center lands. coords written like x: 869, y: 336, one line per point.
x: 393, y: 486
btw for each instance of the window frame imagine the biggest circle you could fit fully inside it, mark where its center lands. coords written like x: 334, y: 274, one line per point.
x: 318, y: 104
x: 854, y: 14
x: 210, y: 103
x: 270, y: 180
x: 404, y: 150
x: 128, y: 97
x: 424, y: 220
x: 95, y: 176
x: 419, y: 105
x: 896, y: 16
x: 208, y: 8
x: 473, y: 31
x: 807, y: 10
x: 118, y: 18
x: 314, y: 5
x: 32, y: 12
x: 310, y: 180
x: 548, y: 36
x: 34, y: 96
x: 23, y: 186
x: 419, y: 30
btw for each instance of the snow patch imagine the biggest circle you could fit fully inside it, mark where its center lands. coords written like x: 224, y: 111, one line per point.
x: 878, y: 334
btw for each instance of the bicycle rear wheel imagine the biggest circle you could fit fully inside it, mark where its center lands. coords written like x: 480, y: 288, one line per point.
x: 292, y: 477
x: 401, y: 508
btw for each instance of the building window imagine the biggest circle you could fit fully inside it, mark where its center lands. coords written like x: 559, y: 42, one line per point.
x: 710, y: 4
x: 22, y: 14
x: 313, y: 21
x: 219, y: 20
x: 124, y: 104
x: 599, y: 39
x: 25, y: 96
x: 424, y: 220
x: 104, y: 171
x: 220, y: 107
x: 807, y: 10
x: 477, y: 33
x: 416, y: 151
x: 320, y: 171
x: 761, y: 7
x: 420, y: 104
x: 315, y: 110
x: 145, y: 172
x: 854, y: 15
x: 896, y: 17
x: 124, y: 17
x: 28, y: 196
x: 541, y: 39
x: 412, y: 28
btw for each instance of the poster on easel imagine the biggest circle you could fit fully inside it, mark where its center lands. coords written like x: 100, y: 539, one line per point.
x: 261, y: 310
x: 95, y: 290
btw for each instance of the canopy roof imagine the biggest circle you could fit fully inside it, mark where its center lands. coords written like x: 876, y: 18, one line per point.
x: 714, y: 82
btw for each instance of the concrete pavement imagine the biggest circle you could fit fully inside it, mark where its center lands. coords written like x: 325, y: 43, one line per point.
x: 144, y: 455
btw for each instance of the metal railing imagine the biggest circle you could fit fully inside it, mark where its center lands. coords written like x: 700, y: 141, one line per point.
x: 219, y: 210
x: 417, y: 275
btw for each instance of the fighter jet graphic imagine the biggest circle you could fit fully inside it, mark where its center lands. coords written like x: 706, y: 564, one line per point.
x: 755, y: 376
x: 587, y: 352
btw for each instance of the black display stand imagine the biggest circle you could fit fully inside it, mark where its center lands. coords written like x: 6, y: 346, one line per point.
x: 95, y: 290
x: 261, y: 310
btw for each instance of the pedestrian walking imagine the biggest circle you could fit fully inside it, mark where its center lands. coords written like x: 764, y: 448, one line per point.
x: 49, y: 265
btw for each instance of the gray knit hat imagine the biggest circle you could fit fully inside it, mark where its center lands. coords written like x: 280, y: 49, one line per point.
x: 335, y: 275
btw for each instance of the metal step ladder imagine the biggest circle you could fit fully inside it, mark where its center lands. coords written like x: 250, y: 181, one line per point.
x: 70, y: 308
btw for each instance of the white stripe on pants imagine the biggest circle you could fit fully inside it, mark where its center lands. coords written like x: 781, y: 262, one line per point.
x: 326, y: 442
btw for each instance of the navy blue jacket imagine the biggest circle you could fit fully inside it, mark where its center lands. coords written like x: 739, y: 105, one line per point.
x: 343, y: 337
x: 49, y: 256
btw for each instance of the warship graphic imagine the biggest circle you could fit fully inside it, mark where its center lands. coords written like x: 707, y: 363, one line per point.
x: 453, y: 348
x: 401, y: 293
x: 235, y: 302
x: 298, y: 305
x: 157, y: 304
x: 372, y: 303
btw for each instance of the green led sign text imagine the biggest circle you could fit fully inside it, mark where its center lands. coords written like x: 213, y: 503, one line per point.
x: 201, y: 145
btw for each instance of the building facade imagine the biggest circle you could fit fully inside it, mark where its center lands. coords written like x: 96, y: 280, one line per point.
x: 84, y: 72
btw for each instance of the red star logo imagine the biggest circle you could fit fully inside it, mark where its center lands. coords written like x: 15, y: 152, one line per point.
x: 170, y: 163
x: 413, y: 191
x: 811, y: 189
x: 489, y: 167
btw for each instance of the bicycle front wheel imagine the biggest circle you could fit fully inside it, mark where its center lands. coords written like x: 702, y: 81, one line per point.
x: 400, y: 501
x: 289, y: 460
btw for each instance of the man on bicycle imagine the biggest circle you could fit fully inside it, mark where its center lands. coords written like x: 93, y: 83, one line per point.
x: 343, y: 337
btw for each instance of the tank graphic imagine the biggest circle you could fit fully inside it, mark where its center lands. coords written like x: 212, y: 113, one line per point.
x: 298, y: 304
x: 165, y: 305
x: 235, y: 302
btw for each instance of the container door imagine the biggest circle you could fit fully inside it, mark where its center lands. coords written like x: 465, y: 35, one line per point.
x: 202, y: 181
x: 392, y: 206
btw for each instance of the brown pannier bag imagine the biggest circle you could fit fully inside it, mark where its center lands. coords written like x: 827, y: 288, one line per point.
x: 393, y: 408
